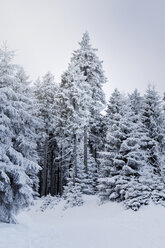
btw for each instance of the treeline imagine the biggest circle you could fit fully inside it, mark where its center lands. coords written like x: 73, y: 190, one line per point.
x: 55, y: 140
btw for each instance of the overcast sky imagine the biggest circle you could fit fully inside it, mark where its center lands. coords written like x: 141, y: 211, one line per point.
x: 129, y: 35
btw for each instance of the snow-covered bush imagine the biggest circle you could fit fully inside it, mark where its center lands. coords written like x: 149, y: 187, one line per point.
x: 73, y: 195
x: 49, y: 202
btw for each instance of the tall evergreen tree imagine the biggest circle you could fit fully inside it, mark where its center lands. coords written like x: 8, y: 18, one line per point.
x: 74, y: 116
x: 89, y: 64
x: 18, y: 160
x: 152, y: 119
x: 114, y: 113
x: 153, y: 143
x: 122, y: 159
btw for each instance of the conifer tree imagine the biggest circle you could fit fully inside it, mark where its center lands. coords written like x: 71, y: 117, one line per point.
x: 152, y: 119
x: 73, y: 117
x: 113, y: 142
x: 153, y: 143
x: 18, y: 160
x: 89, y: 64
x: 114, y: 113
x: 124, y: 158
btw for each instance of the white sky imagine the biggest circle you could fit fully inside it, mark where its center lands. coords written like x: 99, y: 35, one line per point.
x: 130, y: 36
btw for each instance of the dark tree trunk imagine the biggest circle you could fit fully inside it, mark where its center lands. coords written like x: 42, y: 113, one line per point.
x: 53, y: 175
x: 44, y: 171
x: 85, y: 151
x: 61, y: 173
x: 75, y: 159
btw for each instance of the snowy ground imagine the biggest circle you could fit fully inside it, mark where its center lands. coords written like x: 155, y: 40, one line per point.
x: 89, y: 226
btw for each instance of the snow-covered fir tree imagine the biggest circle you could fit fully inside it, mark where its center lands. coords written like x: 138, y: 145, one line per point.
x: 113, y: 140
x: 122, y: 159
x: 74, y: 116
x: 114, y: 113
x: 153, y: 143
x: 152, y: 119
x: 137, y: 193
x: 18, y: 158
x: 86, y: 59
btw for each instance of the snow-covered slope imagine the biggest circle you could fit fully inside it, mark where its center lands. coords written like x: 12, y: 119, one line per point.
x: 88, y: 226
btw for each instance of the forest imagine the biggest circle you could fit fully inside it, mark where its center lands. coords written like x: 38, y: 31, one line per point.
x: 63, y: 139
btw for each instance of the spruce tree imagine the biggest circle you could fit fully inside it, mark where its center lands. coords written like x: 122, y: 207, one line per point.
x: 153, y: 143
x: 123, y: 158
x: 73, y: 116
x: 114, y: 137
x: 89, y: 64
x: 18, y: 158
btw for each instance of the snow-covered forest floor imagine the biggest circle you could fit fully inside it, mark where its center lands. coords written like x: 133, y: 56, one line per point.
x: 88, y: 226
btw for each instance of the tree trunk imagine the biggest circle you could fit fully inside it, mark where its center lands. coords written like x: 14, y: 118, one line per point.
x: 44, y: 171
x: 61, y: 174
x: 75, y: 159
x: 56, y: 179
x: 53, y: 174
x: 85, y: 150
